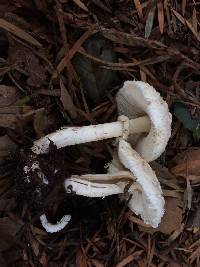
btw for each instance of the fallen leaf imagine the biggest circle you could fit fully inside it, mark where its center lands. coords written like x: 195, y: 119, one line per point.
x: 172, y: 218
x: 22, y: 56
x: 130, y: 258
x: 67, y: 101
x: 193, y: 30
x: 184, y: 116
x: 8, y: 95
x: 138, y: 8
x: 8, y: 121
x: 8, y: 231
x: 6, y: 146
x: 95, y: 79
x: 150, y: 19
x: 171, y: 221
x: 160, y: 16
x: 97, y: 263
x: 80, y: 259
x: 18, y: 32
x: 187, y: 164
x: 81, y: 5
x: 40, y: 123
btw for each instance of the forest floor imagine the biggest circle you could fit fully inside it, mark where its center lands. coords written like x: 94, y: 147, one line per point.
x: 61, y: 64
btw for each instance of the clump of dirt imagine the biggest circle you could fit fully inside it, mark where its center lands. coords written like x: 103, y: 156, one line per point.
x: 39, y: 182
x: 39, y: 178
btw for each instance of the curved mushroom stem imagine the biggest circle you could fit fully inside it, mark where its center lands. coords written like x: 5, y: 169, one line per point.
x: 101, y: 185
x: 78, y: 135
x: 53, y: 228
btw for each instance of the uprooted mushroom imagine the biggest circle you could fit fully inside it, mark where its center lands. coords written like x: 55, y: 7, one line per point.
x: 142, y: 131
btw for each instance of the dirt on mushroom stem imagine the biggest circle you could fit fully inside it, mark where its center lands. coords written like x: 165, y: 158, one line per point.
x: 43, y: 188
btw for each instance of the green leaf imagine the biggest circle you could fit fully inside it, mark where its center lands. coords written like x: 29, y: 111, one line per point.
x: 184, y: 116
x: 94, y: 78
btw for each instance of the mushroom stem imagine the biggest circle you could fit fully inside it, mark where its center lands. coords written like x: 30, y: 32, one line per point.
x: 78, y: 135
x: 53, y: 228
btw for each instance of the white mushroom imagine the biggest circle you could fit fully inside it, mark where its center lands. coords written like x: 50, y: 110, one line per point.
x: 146, y: 124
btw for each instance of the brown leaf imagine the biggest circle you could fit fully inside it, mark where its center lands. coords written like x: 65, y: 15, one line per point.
x: 8, y: 95
x: 81, y: 5
x: 160, y: 16
x: 193, y: 30
x: 97, y: 263
x: 184, y: 3
x: 6, y: 146
x: 40, y: 122
x: 18, y: 32
x: 179, y: 17
x: 172, y: 218
x: 8, y: 121
x: 8, y: 231
x: 194, y: 19
x: 129, y: 258
x: 36, y: 73
x: 67, y: 101
x: 187, y: 164
x: 171, y: 221
x: 80, y: 259
x: 138, y: 7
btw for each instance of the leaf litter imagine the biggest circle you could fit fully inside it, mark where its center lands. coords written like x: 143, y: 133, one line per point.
x: 61, y: 63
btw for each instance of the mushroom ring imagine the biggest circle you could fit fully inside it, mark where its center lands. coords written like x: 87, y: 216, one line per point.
x: 142, y: 131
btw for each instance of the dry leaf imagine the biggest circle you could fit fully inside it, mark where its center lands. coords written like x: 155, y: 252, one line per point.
x: 80, y: 259
x: 184, y: 3
x: 160, y: 16
x: 172, y: 218
x: 171, y: 221
x: 31, y: 65
x: 179, y: 17
x: 18, y: 32
x: 8, y: 95
x: 81, y: 5
x: 138, y: 8
x: 192, y: 29
x: 6, y: 146
x: 97, y: 263
x: 129, y: 258
x: 40, y: 123
x: 8, y: 121
x: 67, y: 101
x: 188, y: 165
x: 194, y: 19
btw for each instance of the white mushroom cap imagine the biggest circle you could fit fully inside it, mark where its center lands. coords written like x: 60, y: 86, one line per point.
x: 147, y: 202
x: 136, y: 99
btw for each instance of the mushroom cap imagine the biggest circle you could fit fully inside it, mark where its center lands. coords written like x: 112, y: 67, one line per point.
x: 136, y: 99
x: 147, y: 201
x: 87, y: 188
